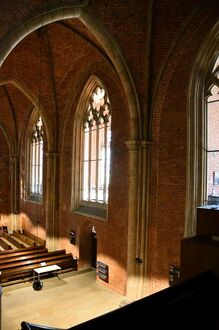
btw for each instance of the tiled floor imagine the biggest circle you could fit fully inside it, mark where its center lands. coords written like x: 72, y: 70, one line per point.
x: 61, y: 303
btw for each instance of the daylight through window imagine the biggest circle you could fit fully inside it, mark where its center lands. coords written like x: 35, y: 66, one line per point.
x: 96, y: 151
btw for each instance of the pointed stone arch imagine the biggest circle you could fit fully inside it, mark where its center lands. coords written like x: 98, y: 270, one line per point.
x: 92, y: 82
x: 63, y: 11
x: 196, y: 169
x: 34, y: 99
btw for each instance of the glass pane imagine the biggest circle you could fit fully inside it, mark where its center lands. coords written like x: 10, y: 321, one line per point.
x: 32, y: 183
x: 85, y: 192
x: 101, y: 178
x: 86, y: 145
x: 214, y: 94
x: 107, y: 175
x: 213, y: 177
x: 94, y: 143
x: 93, y: 188
x: 101, y: 147
x: 33, y: 154
x: 213, y: 126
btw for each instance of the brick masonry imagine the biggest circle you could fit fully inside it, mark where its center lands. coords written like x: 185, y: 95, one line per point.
x: 160, y: 69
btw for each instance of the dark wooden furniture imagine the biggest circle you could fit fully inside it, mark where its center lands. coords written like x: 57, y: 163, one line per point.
x: 201, y: 252
x: 207, y: 220
x: 13, y: 241
x: 27, y: 240
x: 198, y: 254
x: 37, y: 239
x: 20, y: 265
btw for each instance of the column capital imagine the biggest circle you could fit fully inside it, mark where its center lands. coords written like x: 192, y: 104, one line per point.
x: 145, y: 144
x: 51, y: 155
x: 14, y: 159
x: 133, y: 145
x: 136, y: 145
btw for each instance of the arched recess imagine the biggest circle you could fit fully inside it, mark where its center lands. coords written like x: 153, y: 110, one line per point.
x: 89, y: 87
x: 63, y: 11
x: 37, y: 106
x: 34, y: 99
x: 7, y: 193
x: 197, y: 130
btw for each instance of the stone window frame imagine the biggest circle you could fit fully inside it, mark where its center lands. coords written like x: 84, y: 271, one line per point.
x: 32, y: 197
x: 200, y: 82
x: 92, y: 209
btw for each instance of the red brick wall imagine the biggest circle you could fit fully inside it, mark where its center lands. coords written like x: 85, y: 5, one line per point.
x: 170, y: 127
x: 178, y: 30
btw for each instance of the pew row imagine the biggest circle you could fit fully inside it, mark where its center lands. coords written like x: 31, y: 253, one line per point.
x: 37, y: 239
x: 7, y: 253
x: 20, y: 268
x: 5, y: 245
x: 13, y: 241
x: 14, y: 261
x: 25, y: 239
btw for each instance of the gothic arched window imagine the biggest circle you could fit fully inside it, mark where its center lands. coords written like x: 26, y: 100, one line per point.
x: 36, y: 160
x: 91, y: 152
x: 96, y: 146
x: 203, y: 137
x: 212, y: 105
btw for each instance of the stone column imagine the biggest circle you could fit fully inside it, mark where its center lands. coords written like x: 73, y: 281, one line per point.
x: 143, y: 216
x: 132, y: 270
x: 138, y: 214
x: 14, y: 187
x: 51, y: 201
x: 0, y: 307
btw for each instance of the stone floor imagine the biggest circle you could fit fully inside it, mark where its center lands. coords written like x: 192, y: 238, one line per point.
x: 62, y: 303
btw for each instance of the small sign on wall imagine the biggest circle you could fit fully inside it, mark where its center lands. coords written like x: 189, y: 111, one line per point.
x: 72, y: 237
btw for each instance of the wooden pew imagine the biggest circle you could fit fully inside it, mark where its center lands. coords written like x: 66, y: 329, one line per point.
x: 12, y: 260
x: 12, y: 240
x: 15, y: 251
x: 24, y: 269
x: 24, y: 238
x: 17, y: 261
x: 5, y: 245
x: 39, y: 240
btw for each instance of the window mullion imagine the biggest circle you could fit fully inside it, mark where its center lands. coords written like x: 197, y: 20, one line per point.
x: 89, y: 164
x: 105, y: 163
x: 97, y: 164
x: 35, y: 170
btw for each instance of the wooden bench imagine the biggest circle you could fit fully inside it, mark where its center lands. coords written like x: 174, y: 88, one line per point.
x: 15, y: 251
x: 5, y: 245
x: 24, y: 238
x: 20, y: 258
x: 13, y: 241
x: 39, y: 240
x: 24, y: 268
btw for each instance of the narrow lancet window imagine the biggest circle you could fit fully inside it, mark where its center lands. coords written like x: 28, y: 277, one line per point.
x: 36, y: 159
x: 96, y: 148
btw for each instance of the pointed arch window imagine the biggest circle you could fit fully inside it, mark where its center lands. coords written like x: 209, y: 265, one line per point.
x: 92, y: 152
x: 36, y: 160
x: 202, y: 174
x: 212, y: 106
x: 96, y: 146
